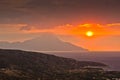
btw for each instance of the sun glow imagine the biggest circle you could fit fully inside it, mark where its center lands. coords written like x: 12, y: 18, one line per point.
x: 89, y: 33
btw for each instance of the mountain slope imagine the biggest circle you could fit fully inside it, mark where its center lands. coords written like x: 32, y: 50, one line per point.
x: 16, y: 62
x: 43, y: 43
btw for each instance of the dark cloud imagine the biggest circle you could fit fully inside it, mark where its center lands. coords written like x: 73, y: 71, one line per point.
x: 75, y: 4
x: 48, y: 13
x: 25, y: 28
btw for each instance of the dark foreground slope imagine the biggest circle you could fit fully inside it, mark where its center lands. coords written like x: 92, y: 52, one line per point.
x: 18, y: 64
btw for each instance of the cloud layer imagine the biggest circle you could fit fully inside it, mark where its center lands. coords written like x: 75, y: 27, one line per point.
x: 50, y: 13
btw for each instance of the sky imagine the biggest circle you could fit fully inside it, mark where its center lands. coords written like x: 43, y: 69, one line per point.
x: 69, y: 19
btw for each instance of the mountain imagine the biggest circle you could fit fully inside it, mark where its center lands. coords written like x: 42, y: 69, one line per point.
x: 24, y: 64
x: 46, y: 42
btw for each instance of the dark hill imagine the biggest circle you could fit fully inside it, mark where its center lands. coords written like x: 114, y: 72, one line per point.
x: 29, y: 64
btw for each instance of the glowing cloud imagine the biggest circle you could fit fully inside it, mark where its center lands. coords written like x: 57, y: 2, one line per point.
x: 80, y: 29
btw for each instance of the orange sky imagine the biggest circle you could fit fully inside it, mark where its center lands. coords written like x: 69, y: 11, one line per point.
x: 81, y: 29
x: 106, y: 37
x: 69, y: 19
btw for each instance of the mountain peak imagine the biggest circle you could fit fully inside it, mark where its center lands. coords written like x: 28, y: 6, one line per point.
x: 46, y: 42
x: 48, y: 37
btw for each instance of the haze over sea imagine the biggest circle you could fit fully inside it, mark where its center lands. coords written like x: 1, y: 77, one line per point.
x: 110, y: 58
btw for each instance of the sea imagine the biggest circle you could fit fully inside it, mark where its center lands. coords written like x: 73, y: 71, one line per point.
x: 110, y: 58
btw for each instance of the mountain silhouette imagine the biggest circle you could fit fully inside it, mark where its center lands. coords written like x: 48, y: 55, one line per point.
x: 46, y: 42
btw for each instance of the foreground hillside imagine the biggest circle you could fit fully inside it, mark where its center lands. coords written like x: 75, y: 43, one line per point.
x: 23, y: 64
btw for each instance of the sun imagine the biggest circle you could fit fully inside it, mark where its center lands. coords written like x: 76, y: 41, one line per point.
x: 89, y: 33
